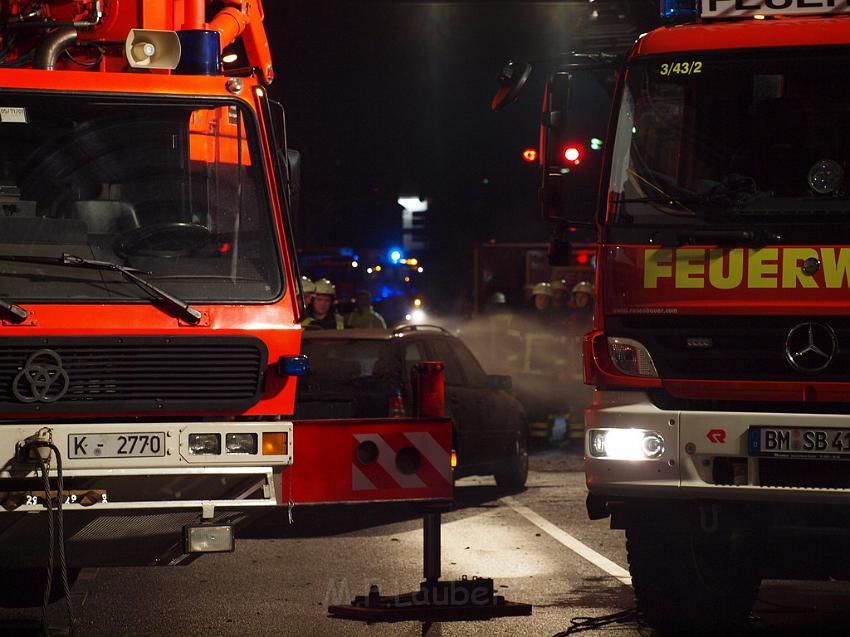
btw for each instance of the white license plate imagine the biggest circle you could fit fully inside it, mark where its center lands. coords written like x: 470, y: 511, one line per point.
x: 121, y: 445
x: 799, y: 441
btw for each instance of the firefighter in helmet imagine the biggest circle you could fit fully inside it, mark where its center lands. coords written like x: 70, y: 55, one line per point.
x: 581, y: 320
x: 309, y: 290
x: 541, y: 296
x: 561, y: 300
x: 322, y: 314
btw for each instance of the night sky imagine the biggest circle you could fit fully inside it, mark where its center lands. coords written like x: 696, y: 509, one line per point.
x: 390, y: 99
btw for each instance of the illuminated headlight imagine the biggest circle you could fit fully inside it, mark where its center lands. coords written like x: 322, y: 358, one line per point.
x: 241, y: 443
x: 204, y: 444
x: 630, y: 357
x: 625, y: 444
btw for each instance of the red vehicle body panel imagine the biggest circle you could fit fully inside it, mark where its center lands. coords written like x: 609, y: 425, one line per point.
x: 713, y: 281
x: 411, y: 461
x: 273, y: 323
x: 745, y: 34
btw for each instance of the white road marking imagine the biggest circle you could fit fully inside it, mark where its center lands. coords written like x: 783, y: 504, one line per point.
x: 579, y: 548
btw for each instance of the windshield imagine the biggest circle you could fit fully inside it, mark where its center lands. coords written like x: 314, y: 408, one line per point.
x: 754, y: 136
x: 173, y: 189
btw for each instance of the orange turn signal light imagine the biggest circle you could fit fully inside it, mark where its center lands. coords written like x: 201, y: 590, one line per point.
x: 274, y: 443
x: 454, y: 458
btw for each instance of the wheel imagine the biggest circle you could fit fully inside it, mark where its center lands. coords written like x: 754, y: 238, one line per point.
x: 513, y: 472
x: 164, y: 240
x: 690, y: 583
x: 24, y: 587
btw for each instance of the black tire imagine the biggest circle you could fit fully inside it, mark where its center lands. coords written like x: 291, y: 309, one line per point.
x: 689, y: 583
x: 24, y: 587
x: 513, y: 472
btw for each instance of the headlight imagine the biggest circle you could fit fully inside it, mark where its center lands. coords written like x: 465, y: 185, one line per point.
x: 204, y: 444
x: 630, y: 357
x: 241, y: 443
x: 625, y: 444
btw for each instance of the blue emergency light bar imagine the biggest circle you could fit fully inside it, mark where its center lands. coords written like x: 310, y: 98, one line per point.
x: 679, y: 10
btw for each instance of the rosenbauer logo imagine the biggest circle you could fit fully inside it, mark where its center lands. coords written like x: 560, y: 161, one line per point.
x: 747, y: 268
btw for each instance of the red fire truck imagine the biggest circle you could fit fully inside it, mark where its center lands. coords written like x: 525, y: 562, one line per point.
x: 718, y: 437
x: 149, y: 297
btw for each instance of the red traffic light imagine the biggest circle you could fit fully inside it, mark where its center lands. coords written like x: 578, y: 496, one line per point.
x: 529, y: 155
x: 572, y: 154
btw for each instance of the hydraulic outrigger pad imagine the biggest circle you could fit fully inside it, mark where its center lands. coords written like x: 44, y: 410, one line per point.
x: 435, y: 601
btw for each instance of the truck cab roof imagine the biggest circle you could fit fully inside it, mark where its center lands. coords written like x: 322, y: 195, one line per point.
x: 746, y: 34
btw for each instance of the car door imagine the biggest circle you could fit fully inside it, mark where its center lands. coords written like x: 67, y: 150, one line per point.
x: 497, y: 419
x: 463, y: 405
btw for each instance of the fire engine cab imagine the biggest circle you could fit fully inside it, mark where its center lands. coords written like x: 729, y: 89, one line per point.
x: 150, y: 299
x: 720, y: 353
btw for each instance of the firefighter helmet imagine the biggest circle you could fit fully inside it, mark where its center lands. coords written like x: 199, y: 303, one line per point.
x: 498, y: 298
x: 559, y: 284
x: 542, y: 289
x: 584, y: 287
x: 324, y: 286
x: 307, y: 285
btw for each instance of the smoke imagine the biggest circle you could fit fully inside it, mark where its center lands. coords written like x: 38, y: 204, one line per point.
x: 543, y: 359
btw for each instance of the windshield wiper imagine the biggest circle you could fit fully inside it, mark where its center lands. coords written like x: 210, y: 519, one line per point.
x: 16, y: 313
x: 186, y: 311
x: 734, y: 192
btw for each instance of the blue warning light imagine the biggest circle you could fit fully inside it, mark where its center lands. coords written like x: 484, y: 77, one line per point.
x: 395, y: 255
x: 679, y: 10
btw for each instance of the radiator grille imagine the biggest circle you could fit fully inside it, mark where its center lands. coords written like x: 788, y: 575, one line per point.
x: 130, y: 373
x: 737, y: 347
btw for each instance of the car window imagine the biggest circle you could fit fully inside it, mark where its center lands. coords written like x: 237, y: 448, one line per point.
x: 413, y: 354
x: 475, y: 375
x: 443, y: 352
x: 338, y: 359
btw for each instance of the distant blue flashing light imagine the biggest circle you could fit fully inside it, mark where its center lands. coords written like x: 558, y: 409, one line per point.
x: 679, y: 10
x: 395, y: 255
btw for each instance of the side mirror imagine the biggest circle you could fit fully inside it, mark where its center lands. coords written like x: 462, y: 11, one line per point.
x: 495, y: 381
x: 511, y: 80
x: 573, y: 125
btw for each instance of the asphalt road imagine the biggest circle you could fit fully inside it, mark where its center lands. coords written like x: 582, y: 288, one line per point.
x: 538, y: 546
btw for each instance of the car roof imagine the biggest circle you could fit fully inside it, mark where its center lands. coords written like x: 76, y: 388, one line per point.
x: 364, y: 334
x: 374, y: 334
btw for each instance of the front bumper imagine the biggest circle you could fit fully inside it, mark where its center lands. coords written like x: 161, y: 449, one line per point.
x: 698, y: 449
x: 132, y: 510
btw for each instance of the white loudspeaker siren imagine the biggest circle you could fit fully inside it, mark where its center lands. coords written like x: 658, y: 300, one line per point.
x: 152, y: 49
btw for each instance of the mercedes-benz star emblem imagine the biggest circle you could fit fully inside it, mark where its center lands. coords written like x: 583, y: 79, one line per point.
x: 810, y: 347
x: 41, y: 379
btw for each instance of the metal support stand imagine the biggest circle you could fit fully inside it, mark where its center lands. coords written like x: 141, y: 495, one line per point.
x: 467, y: 599
x: 431, y: 549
